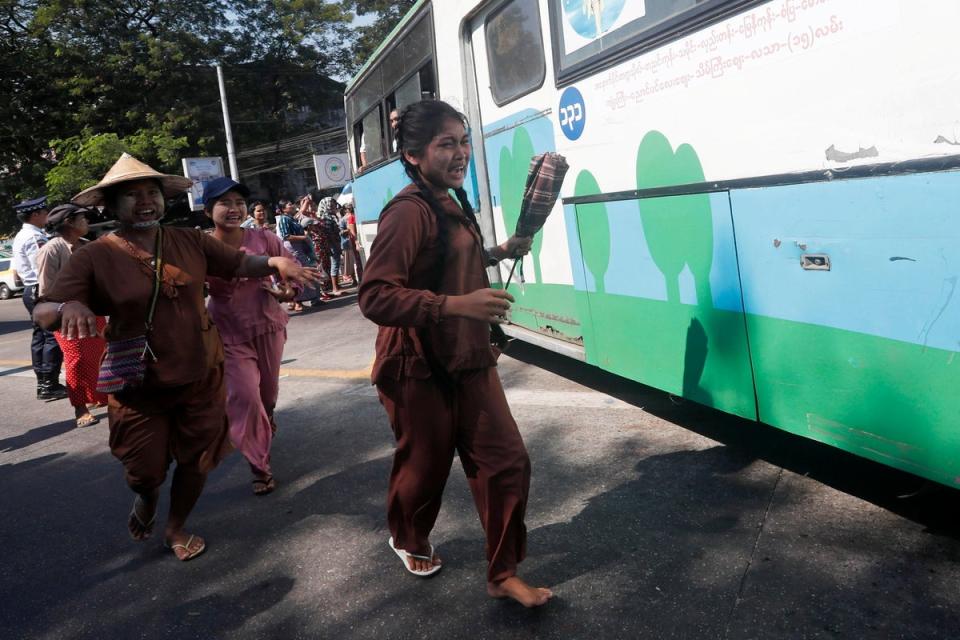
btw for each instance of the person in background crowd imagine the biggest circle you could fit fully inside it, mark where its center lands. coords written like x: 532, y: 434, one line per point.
x: 348, y: 249
x: 259, y: 218
x: 350, y: 217
x: 307, y: 217
x: 45, y: 353
x: 426, y: 285
x: 81, y: 357
x: 177, y: 412
x: 253, y: 328
x: 327, y: 239
x: 296, y: 241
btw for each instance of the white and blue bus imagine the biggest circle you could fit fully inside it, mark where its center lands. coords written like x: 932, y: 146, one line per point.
x: 762, y: 212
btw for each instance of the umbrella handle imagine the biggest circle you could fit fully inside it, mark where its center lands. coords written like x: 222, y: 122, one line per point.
x: 510, y: 277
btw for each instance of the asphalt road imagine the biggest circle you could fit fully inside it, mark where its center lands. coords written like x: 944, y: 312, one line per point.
x: 648, y: 518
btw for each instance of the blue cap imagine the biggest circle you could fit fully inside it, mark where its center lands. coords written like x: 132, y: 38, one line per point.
x: 27, y: 207
x: 219, y: 186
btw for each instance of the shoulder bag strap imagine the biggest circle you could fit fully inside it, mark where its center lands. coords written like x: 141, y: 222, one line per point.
x: 157, y: 278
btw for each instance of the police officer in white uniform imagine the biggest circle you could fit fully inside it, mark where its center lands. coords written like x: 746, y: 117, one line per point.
x: 46, y: 355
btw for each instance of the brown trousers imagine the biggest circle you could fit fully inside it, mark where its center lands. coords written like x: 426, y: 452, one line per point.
x: 475, y: 421
x: 152, y: 426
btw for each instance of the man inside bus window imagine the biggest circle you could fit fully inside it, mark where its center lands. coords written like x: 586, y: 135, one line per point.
x: 514, y: 50
x: 363, y: 153
x: 394, y: 124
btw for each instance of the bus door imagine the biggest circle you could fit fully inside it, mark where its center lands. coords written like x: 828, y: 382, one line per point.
x: 514, y: 93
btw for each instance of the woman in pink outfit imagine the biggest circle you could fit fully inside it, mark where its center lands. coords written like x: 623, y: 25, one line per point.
x: 252, y: 325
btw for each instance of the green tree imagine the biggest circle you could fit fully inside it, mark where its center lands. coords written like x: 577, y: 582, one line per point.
x: 145, y: 68
x: 83, y: 159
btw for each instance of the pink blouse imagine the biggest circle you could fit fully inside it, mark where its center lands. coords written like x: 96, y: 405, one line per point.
x: 240, y: 307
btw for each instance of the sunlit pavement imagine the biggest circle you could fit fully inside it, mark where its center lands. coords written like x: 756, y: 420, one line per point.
x: 648, y: 518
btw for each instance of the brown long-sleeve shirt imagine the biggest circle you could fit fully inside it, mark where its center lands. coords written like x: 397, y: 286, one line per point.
x: 400, y: 290
x: 111, y: 283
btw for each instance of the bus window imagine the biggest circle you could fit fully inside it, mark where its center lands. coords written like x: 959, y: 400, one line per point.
x: 359, y: 146
x: 408, y: 92
x: 589, y: 35
x: 417, y: 87
x: 371, y: 139
x: 514, y: 50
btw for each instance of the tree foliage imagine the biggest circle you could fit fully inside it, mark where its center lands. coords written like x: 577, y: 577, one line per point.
x: 84, y: 79
x: 85, y: 158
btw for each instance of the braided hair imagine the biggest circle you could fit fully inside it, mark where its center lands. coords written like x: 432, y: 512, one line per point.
x: 419, y: 123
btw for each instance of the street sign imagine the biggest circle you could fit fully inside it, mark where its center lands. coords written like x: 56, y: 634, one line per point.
x: 332, y: 170
x: 201, y: 171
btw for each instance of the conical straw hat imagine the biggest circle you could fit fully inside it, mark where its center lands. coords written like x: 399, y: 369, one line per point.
x: 129, y: 168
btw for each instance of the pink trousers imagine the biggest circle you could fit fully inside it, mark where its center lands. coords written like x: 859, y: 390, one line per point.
x: 253, y: 381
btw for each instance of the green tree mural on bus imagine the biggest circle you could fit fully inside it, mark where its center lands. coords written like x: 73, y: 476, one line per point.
x: 679, y: 229
x: 594, y: 228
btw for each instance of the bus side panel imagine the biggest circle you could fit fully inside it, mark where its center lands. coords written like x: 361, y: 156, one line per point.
x: 862, y: 356
x: 375, y: 188
x: 662, y: 288
x: 547, y: 307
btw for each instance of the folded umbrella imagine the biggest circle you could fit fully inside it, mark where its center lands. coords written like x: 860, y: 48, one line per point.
x: 544, y: 180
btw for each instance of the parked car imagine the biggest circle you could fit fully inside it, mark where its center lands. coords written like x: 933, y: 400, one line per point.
x: 10, y: 283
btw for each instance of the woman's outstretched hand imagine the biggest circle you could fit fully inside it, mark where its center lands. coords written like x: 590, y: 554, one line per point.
x: 487, y: 305
x: 289, y: 269
x: 282, y: 291
x: 77, y: 321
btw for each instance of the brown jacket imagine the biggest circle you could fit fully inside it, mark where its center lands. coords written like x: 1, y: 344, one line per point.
x: 400, y: 291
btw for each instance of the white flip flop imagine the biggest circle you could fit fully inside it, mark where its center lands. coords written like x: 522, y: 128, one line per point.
x: 404, y: 555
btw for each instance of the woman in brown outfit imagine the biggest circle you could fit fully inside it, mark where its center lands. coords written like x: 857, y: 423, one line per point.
x: 425, y: 284
x: 178, y: 411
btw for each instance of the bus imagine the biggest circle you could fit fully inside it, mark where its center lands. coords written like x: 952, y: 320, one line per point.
x: 762, y: 210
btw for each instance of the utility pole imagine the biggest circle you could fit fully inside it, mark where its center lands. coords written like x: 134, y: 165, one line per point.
x: 231, y: 152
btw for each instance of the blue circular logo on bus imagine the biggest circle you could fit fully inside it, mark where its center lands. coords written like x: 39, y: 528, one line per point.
x: 572, y: 113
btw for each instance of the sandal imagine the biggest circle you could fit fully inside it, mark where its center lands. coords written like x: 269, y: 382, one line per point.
x: 147, y: 527
x: 406, y: 555
x: 87, y: 421
x: 263, y: 485
x: 189, y: 550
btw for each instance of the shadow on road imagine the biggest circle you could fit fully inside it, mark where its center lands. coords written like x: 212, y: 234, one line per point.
x: 37, y: 434
x: 927, y: 503
x: 13, y: 326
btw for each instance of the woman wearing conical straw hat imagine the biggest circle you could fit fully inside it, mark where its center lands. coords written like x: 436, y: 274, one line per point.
x: 149, y: 280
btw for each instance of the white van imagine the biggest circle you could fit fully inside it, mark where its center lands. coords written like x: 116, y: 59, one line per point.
x: 10, y: 283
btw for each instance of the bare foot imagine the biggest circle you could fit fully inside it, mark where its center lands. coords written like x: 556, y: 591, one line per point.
x: 142, y: 516
x: 514, y: 587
